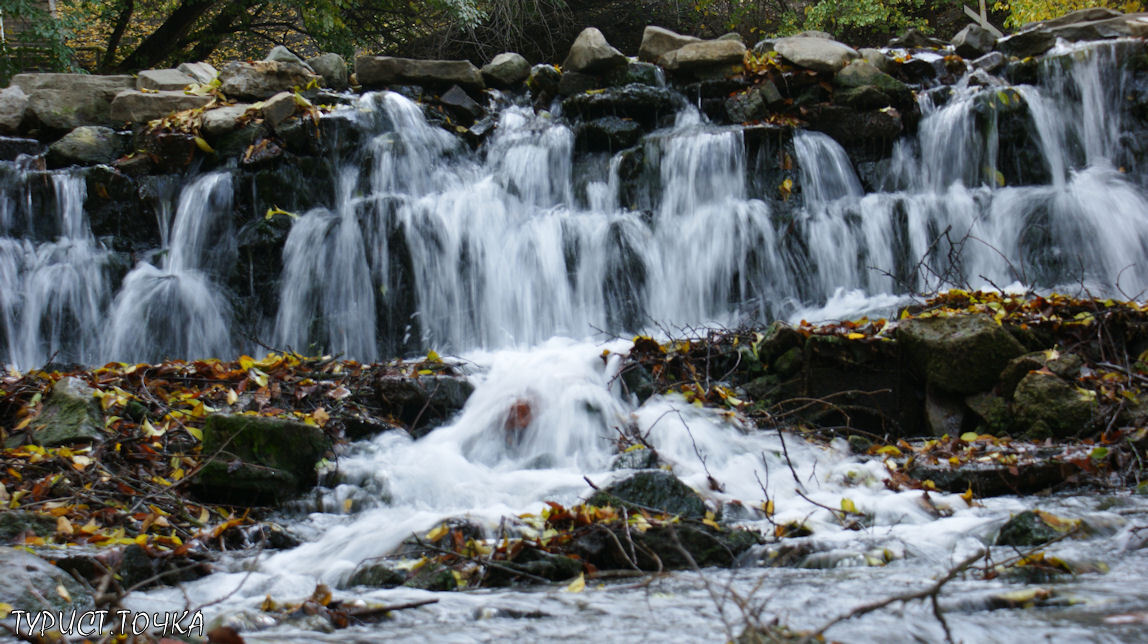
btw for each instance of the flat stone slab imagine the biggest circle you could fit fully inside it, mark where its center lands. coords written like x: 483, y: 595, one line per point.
x: 135, y: 106
x: 378, y: 71
x: 163, y: 80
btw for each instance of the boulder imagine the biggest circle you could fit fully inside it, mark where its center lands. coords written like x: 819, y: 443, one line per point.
x: 332, y: 68
x: 1064, y: 365
x: 877, y: 58
x: 258, y: 461
x: 944, y: 412
x: 973, y: 41
x: 990, y: 62
x: 573, y: 83
x: 279, y: 108
x: 68, y: 101
x: 262, y: 80
x: 818, y: 54
x: 222, y: 120
x: 1038, y: 38
x: 1048, y: 407
x: 753, y: 104
x: 960, y: 354
x: 422, y: 403
x: 641, y: 103
x: 461, y: 105
x: 657, y: 42
x: 13, y: 108
x: 376, y: 575
x: 862, y: 86
x: 607, y: 134
x: 379, y: 71
x: 706, y: 54
x: 12, y: 147
x: 652, y: 490
x: 849, y: 126
x: 591, y: 54
x: 638, y: 457
x: 203, y: 73
x: 135, y: 106
x: 544, y: 79
x: 163, y: 80
x: 641, y: 73
x: 86, y: 145
x: 507, y: 69
x: 31, y: 584
x: 1034, y: 528
x: 280, y: 54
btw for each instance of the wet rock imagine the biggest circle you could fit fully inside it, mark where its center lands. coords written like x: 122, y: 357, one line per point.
x: 753, y: 104
x: 638, y: 458
x: 944, y: 412
x: 376, y: 575
x: 140, y: 107
x: 591, y: 54
x: 257, y: 460
x: 203, y: 73
x: 222, y: 120
x: 657, y: 490
x: 573, y: 83
x: 30, y: 584
x: 990, y: 62
x: 851, y: 127
x: 862, y: 86
x: 71, y: 414
x: 642, y: 103
x: 422, y: 403
x: 68, y: 101
x: 607, y: 134
x: 380, y: 71
x: 507, y: 69
x: 262, y: 80
x: 433, y: 576
x: 544, y: 79
x: 163, y: 80
x: 818, y: 54
x: 280, y: 54
x: 1085, y: 25
x: 1031, y: 474
x: 1047, y: 406
x: 640, y: 73
x: 461, y: 105
x: 960, y: 354
x: 12, y: 147
x: 707, y: 54
x: 914, y: 39
x: 1034, y: 528
x: 973, y: 41
x: 278, y: 109
x: 333, y: 70
x: 13, y: 107
x: 15, y: 524
x: 657, y: 42
x: 993, y: 410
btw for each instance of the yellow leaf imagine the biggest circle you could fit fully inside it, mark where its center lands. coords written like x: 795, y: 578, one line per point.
x: 5, y: 610
x: 320, y: 416
x: 425, y: 372
x: 232, y: 397
x: 848, y: 506
x: 768, y: 508
x: 196, y: 433
x: 246, y: 362
x: 203, y: 146
x: 968, y: 496
x: 433, y: 356
x: 150, y: 431
x: 969, y: 437
x: 269, y: 605
x: 64, y: 527
x: 438, y: 533
x: 63, y: 593
x: 786, y: 189
x: 855, y: 336
x: 204, y: 516
x: 578, y: 585
x: 889, y: 450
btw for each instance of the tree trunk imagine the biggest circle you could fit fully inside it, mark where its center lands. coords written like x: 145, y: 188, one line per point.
x: 165, y: 40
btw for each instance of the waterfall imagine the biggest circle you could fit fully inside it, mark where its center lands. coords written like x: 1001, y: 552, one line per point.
x: 175, y: 309
x: 428, y: 243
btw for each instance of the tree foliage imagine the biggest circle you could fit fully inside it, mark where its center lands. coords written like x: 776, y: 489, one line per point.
x: 1025, y: 11
x: 40, y: 43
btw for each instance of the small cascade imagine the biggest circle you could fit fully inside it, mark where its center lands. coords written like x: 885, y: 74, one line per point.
x: 54, y: 311
x: 175, y: 309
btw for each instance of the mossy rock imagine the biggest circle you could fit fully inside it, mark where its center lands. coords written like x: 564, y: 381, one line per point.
x: 376, y: 575
x: 707, y: 546
x: 258, y: 461
x: 31, y: 583
x: 1034, y: 528
x: 962, y: 354
x: 1048, y: 407
x: 70, y: 414
x: 433, y: 576
x: 657, y: 490
x: 536, y: 563
x: 638, y: 458
x: 1065, y: 365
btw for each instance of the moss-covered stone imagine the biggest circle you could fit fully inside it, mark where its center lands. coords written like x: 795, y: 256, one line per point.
x: 962, y: 354
x: 658, y: 490
x: 14, y: 523
x: 1065, y: 365
x: 433, y: 576
x: 376, y: 575
x: 70, y: 415
x: 1047, y: 406
x: 1034, y: 528
x: 258, y: 461
x: 640, y: 458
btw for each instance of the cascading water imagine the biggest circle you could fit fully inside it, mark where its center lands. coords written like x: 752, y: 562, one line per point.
x: 175, y: 310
